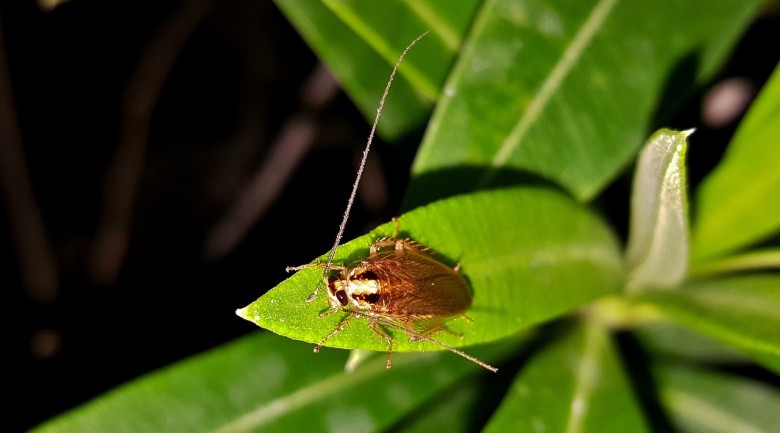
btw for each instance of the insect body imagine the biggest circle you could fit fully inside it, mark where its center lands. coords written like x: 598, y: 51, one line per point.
x: 399, y: 286
x: 399, y: 280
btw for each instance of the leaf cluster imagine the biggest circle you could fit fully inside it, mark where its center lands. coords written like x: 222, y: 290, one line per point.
x: 539, y: 107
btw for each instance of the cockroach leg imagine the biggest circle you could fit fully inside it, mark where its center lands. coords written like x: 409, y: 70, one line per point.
x: 314, y: 294
x: 338, y: 329
x: 397, y: 227
x: 460, y: 353
x: 298, y: 268
x: 327, y: 312
x: 381, y: 245
x: 313, y: 265
x: 374, y: 325
x: 438, y: 327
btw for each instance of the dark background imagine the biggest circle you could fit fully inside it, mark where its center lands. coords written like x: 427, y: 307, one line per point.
x: 234, y: 84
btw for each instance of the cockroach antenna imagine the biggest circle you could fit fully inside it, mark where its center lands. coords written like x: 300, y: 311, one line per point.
x: 363, y: 164
x: 399, y: 285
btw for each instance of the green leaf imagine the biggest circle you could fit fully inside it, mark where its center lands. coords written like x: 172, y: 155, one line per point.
x: 363, y: 71
x: 657, y: 252
x: 741, y: 311
x: 529, y: 254
x: 738, y: 204
x: 271, y: 384
x: 567, y: 90
x: 451, y: 411
x: 667, y: 340
x: 575, y: 385
x: 699, y: 401
x: 377, y: 23
x: 764, y: 258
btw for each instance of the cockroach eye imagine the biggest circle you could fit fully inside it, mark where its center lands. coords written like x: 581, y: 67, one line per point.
x: 342, y: 297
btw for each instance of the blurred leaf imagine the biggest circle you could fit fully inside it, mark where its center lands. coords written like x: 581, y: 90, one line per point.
x: 741, y: 311
x: 705, y: 402
x: 451, y: 411
x: 657, y: 252
x: 361, y: 70
x: 388, y: 27
x: 530, y: 254
x: 668, y: 340
x: 739, y: 202
x: 269, y: 384
x: 567, y: 90
x: 763, y: 258
x: 575, y: 385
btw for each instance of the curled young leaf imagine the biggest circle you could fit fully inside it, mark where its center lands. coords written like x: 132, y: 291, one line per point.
x: 657, y: 252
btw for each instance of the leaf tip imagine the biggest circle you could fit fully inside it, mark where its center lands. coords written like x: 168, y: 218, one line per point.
x: 242, y: 313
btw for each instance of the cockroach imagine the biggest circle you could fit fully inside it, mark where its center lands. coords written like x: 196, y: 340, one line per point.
x: 400, y: 285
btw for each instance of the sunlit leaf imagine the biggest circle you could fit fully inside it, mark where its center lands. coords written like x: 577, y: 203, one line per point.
x: 530, y: 254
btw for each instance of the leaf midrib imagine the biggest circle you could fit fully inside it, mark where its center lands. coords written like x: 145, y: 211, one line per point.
x: 268, y: 412
x: 548, y: 88
x: 587, y: 378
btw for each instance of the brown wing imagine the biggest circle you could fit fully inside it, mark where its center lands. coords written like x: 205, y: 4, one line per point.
x: 417, y: 286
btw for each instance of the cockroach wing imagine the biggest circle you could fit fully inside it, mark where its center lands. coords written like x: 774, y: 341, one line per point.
x: 417, y: 286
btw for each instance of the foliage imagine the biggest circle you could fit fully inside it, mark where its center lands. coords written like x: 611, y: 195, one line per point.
x: 538, y: 107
